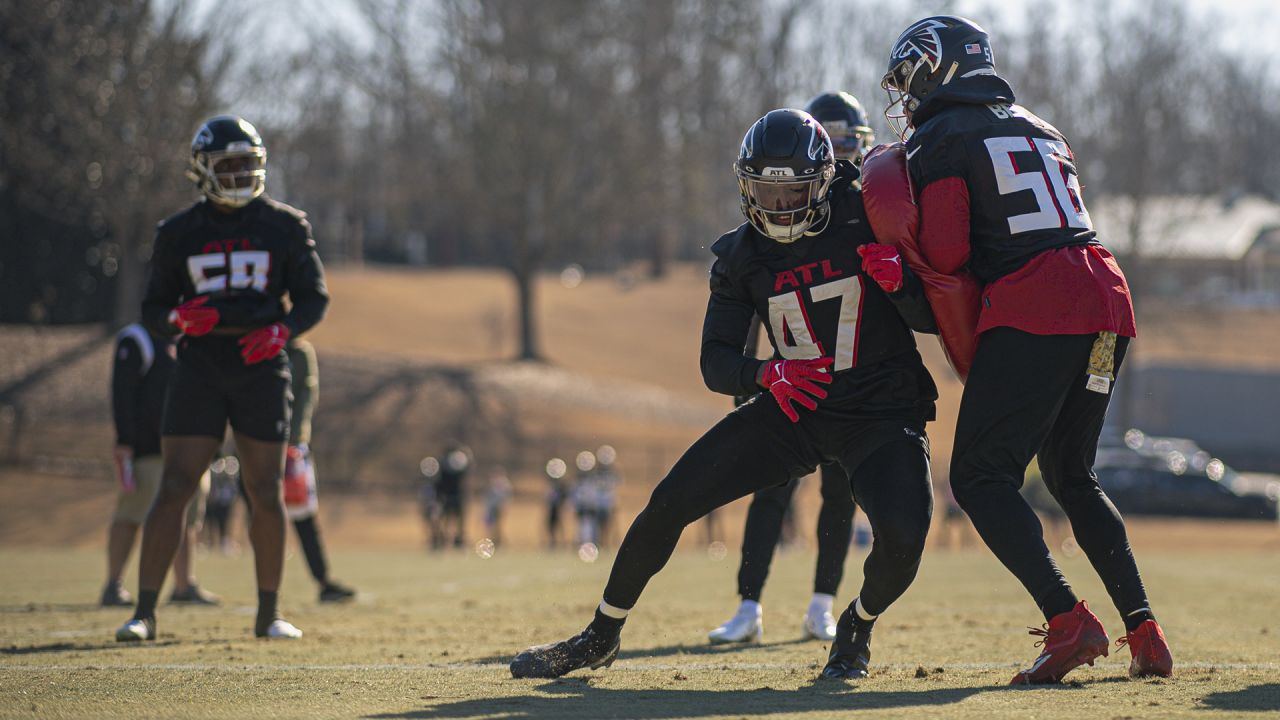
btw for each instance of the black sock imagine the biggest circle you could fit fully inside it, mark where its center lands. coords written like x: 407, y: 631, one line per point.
x: 1136, y: 618
x: 1062, y: 599
x: 309, y: 538
x: 606, y: 626
x: 146, y: 609
x: 266, y: 612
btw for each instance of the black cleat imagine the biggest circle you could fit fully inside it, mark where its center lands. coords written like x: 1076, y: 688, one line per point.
x: 588, y: 649
x: 114, y: 595
x: 333, y: 592
x: 850, y: 651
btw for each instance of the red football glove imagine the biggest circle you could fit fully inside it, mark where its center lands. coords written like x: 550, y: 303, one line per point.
x: 789, y: 380
x: 883, y: 264
x: 264, y: 343
x: 192, y: 318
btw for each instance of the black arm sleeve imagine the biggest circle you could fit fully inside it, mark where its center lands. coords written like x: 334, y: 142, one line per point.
x: 164, y: 289
x: 126, y: 379
x: 725, y: 369
x: 305, y: 281
x: 912, y: 304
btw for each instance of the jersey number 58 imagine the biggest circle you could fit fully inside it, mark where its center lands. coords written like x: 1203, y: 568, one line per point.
x: 241, y: 269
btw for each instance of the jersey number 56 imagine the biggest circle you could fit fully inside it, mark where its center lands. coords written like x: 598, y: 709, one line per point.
x: 1056, y: 187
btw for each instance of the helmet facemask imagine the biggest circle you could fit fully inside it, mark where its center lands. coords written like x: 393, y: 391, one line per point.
x: 232, y: 177
x: 850, y: 143
x: 896, y: 84
x: 782, y: 206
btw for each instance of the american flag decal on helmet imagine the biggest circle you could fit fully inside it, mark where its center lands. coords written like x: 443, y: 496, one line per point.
x: 922, y: 41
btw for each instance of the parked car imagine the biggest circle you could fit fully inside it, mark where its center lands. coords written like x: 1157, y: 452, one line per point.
x: 1148, y: 475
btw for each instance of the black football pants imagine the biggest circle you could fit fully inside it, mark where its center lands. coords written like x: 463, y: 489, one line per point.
x: 764, y: 527
x: 755, y: 446
x: 1026, y: 396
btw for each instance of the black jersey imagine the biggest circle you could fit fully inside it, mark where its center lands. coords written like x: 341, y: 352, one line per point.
x: 1024, y: 194
x: 815, y: 301
x: 245, y: 262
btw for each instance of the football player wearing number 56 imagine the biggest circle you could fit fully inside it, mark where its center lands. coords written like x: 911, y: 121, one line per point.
x: 1000, y: 196
x: 219, y: 273
x: 847, y: 386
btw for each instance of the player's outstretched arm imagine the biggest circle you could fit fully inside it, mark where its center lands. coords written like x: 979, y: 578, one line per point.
x: 885, y: 266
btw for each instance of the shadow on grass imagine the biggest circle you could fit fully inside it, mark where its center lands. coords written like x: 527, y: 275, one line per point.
x: 575, y: 698
x: 53, y: 607
x: 59, y: 647
x: 1258, y: 697
x: 703, y: 649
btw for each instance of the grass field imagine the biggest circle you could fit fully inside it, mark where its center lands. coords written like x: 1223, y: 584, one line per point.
x: 431, y: 635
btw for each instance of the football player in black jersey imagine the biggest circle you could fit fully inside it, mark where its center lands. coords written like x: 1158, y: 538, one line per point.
x: 845, y: 121
x: 220, y: 271
x: 999, y: 195
x: 848, y: 387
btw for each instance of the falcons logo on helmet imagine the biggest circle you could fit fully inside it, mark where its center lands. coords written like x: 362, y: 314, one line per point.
x: 921, y: 40
x: 204, y: 137
x: 817, y: 141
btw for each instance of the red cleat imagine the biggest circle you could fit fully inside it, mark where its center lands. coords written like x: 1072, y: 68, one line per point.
x: 1071, y: 639
x: 1151, y: 656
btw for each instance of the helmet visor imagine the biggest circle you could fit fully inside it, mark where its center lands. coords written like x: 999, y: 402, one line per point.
x: 782, y: 198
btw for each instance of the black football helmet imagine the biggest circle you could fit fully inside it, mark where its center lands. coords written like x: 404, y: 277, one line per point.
x: 785, y: 167
x: 940, y: 57
x: 846, y: 124
x: 228, y: 161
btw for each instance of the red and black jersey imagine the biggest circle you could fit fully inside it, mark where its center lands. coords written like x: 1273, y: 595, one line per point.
x: 815, y: 301
x: 999, y: 193
x: 1024, y: 194
x: 245, y: 261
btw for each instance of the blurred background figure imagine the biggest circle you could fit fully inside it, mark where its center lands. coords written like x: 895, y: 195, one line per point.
x: 606, y: 479
x: 557, y: 494
x: 140, y: 374
x: 429, y: 502
x: 224, y: 489
x: 300, y: 498
x: 585, y: 502
x: 495, y: 500
x: 451, y: 492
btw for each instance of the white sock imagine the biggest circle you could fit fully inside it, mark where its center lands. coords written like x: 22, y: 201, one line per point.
x: 750, y: 608
x: 821, y: 603
x: 861, y: 612
x: 616, y: 613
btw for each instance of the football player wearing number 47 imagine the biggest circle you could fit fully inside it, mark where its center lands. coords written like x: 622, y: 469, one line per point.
x: 219, y: 274
x: 999, y: 195
x: 848, y: 386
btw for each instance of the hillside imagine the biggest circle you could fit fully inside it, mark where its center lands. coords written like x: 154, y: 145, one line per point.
x: 412, y: 358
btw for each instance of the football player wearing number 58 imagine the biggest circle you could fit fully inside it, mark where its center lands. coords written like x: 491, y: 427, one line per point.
x: 999, y: 195
x: 219, y: 273
x: 847, y: 386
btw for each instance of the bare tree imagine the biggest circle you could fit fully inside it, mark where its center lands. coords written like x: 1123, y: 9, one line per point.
x: 98, y: 103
